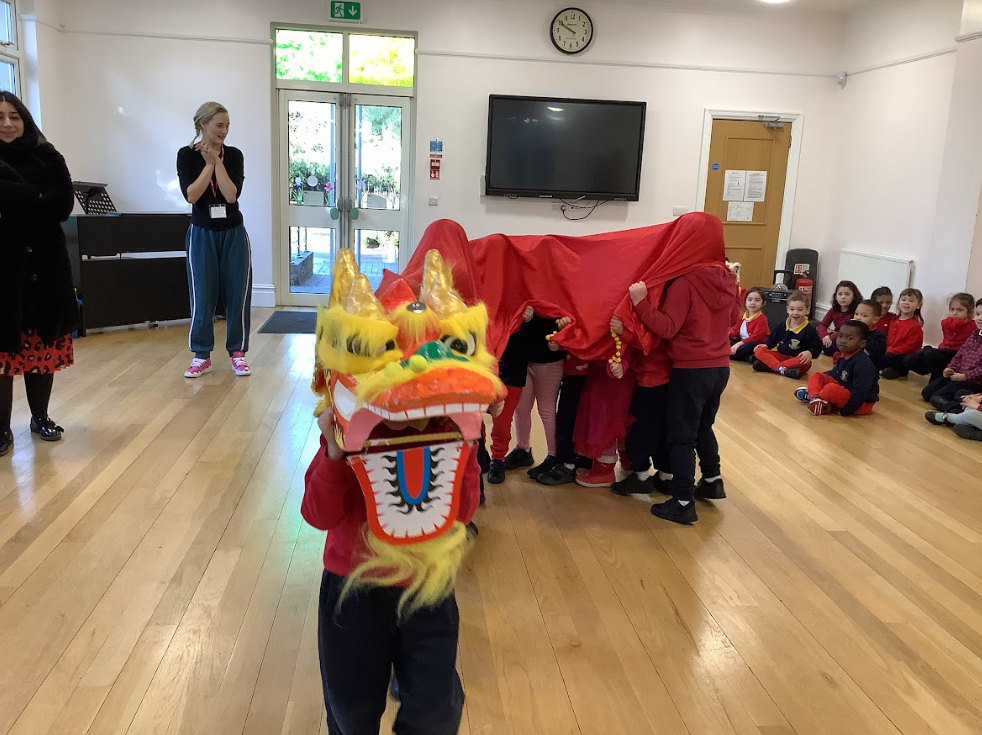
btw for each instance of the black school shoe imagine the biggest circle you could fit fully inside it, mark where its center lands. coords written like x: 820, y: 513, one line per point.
x: 932, y: 418
x: 547, y: 464
x: 968, y: 432
x: 793, y: 373
x: 890, y: 374
x: 46, y: 429
x: 6, y: 442
x: 672, y: 510
x: 633, y: 485
x: 760, y: 367
x: 496, y: 472
x: 558, y: 475
x: 946, y: 405
x: 518, y: 458
x: 710, y: 490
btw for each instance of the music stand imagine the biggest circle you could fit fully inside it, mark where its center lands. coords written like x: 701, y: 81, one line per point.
x: 93, y: 197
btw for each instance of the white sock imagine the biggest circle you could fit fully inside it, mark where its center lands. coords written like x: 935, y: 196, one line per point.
x: 684, y: 503
x: 665, y: 475
x: 569, y: 465
x: 780, y: 371
x: 644, y: 475
x: 712, y: 479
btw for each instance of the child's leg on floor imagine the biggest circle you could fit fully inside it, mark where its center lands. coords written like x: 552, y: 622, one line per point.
x: 745, y: 351
x: 938, y: 360
x: 816, y: 382
x: 951, y: 391
x: 356, y: 645
x: 933, y: 387
x: 431, y: 698
x: 547, y: 377
x: 892, y: 361
x: 838, y: 396
x: 776, y: 361
x: 968, y: 417
x: 523, y: 413
x: 501, y: 424
x: 569, y: 400
x: 919, y: 362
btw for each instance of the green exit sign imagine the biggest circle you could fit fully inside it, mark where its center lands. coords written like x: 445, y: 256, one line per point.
x: 346, y: 11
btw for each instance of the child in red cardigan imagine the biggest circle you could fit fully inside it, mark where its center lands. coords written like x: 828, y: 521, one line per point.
x: 361, y: 637
x: 884, y: 297
x: 844, y: 302
x: 957, y: 328
x: 751, y: 329
x: 906, y: 334
x: 964, y: 373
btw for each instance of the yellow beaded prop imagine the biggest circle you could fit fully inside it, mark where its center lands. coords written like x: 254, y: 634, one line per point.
x: 617, y: 349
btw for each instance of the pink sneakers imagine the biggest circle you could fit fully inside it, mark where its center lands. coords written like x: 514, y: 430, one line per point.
x: 198, y: 368
x: 239, y: 364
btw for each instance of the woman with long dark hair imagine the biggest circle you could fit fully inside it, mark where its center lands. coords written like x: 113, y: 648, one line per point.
x: 38, y: 306
x: 219, y: 255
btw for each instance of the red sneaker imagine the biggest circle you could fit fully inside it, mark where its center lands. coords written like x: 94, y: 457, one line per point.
x: 602, y: 475
x: 818, y: 407
x: 198, y: 368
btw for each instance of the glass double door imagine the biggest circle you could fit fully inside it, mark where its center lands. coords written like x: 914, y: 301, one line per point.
x: 345, y: 167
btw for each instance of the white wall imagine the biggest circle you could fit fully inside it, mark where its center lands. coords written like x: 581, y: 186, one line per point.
x: 121, y: 116
x: 892, y: 122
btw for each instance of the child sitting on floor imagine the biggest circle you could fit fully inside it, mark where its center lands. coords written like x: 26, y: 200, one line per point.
x: 792, y: 345
x: 852, y: 386
x: 884, y: 297
x: 906, y: 334
x: 965, y: 421
x: 957, y: 328
x: 844, y: 302
x: 751, y: 328
x: 964, y: 372
x: 869, y: 312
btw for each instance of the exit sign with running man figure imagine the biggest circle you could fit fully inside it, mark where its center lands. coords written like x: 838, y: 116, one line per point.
x: 346, y: 11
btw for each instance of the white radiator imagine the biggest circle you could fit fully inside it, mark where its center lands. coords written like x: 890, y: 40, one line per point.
x: 869, y: 271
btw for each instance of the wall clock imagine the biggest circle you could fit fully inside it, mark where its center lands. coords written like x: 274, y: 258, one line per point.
x: 571, y: 30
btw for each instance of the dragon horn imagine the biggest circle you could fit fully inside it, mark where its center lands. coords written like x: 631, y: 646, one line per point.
x: 345, y: 271
x: 436, y: 291
x: 361, y: 301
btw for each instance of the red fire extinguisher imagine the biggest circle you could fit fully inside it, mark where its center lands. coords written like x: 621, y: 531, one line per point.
x: 807, y: 287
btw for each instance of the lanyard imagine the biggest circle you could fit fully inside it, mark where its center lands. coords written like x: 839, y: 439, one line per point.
x: 214, y: 177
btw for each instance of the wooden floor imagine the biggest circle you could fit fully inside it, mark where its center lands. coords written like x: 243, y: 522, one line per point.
x: 156, y: 577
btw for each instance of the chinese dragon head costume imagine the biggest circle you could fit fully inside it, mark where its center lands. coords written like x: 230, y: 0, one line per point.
x: 409, y: 378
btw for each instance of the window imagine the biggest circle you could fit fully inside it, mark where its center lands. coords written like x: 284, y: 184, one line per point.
x: 338, y: 57
x: 9, y: 49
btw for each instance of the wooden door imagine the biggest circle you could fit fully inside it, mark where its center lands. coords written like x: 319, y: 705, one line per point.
x: 751, y: 228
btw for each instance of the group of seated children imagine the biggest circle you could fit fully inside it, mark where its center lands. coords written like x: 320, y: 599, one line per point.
x: 616, y: 409
x: 867, y: 341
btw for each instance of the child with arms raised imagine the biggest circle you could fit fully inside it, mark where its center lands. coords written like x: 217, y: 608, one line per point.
x: 906, y: 334
x: 852, y: 386
x: 791, y: 346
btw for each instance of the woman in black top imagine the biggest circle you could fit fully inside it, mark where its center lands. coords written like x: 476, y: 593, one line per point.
x: 38, y: 307
x: 219, y: 254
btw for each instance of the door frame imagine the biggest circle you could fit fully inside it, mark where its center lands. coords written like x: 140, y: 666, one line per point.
x: 797, y: 121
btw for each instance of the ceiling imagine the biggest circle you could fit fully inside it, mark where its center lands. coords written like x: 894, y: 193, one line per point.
x: 831, y: 6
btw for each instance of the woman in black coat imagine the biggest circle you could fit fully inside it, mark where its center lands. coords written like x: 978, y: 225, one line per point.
x: 38, y: 308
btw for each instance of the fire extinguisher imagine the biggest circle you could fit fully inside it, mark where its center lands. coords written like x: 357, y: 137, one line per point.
x: 807, y: 286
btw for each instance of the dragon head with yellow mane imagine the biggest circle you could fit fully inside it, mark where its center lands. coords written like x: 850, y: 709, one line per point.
x: 409, y: 377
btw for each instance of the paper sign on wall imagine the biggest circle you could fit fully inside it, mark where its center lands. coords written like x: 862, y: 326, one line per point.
x: 740, y: 212
x: 756, y: 186
x: 734, y: 186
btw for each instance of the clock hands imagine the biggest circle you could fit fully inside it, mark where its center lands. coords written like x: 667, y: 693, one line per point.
x: 566, y: 27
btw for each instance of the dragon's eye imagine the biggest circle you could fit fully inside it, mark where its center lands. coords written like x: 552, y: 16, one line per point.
x: 461, y: 347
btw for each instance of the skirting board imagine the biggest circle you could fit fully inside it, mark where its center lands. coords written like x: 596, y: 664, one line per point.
x: 263, y: 294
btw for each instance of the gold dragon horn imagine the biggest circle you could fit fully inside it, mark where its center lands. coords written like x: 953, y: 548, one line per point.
x: 345, y: 270
x: 436, y: 291
x: 361, y: 301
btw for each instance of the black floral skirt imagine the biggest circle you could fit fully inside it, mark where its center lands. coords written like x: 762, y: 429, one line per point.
x: 37, y: 357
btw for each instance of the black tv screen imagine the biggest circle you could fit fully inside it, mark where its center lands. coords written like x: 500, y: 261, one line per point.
x: 564, y: 148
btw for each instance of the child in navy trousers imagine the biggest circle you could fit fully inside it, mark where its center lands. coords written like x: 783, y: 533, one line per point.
x: 698, y: 311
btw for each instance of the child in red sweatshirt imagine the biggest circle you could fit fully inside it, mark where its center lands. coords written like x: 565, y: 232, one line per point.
x: 362, y: 637
x: 906, y: 334
x: 957, y: 328
x: 751, y: 328
x: 844, y: 302
x: 964, y: 372
x: 695, y: 318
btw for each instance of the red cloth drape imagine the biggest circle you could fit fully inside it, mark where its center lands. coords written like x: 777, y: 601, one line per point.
x: 584, y: 278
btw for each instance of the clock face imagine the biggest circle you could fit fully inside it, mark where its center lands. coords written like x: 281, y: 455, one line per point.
x: 572, y: 30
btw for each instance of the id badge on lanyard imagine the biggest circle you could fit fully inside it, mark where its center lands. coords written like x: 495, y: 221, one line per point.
x: 217, y: 211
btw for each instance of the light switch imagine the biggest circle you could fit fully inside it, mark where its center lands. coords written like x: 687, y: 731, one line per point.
x: 434, y: 201
x: 679, y: 211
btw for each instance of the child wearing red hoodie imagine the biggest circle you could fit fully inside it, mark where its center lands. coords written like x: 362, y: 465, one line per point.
x: 964, y: 372
x: 361, y: 638
x: 695, y: 318
x: 957, y: 328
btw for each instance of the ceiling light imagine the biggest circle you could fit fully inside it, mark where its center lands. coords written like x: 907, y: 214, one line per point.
x: 775, y: 2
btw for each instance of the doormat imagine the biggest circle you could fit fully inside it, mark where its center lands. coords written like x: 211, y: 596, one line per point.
x: 290, y: 322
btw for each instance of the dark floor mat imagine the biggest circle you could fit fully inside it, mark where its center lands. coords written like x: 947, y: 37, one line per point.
x: 290, y: 322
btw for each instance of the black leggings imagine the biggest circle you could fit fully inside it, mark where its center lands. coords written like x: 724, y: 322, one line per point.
x: 930, y: 361
x: 38, y: 395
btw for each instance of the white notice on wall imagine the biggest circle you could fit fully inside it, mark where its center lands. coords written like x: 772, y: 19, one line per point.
x: 735, y: 186
x: 756, y: 186
x: 740, y: 212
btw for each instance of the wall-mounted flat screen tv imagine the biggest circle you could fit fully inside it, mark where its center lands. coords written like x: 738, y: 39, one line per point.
x: 564, y: 148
